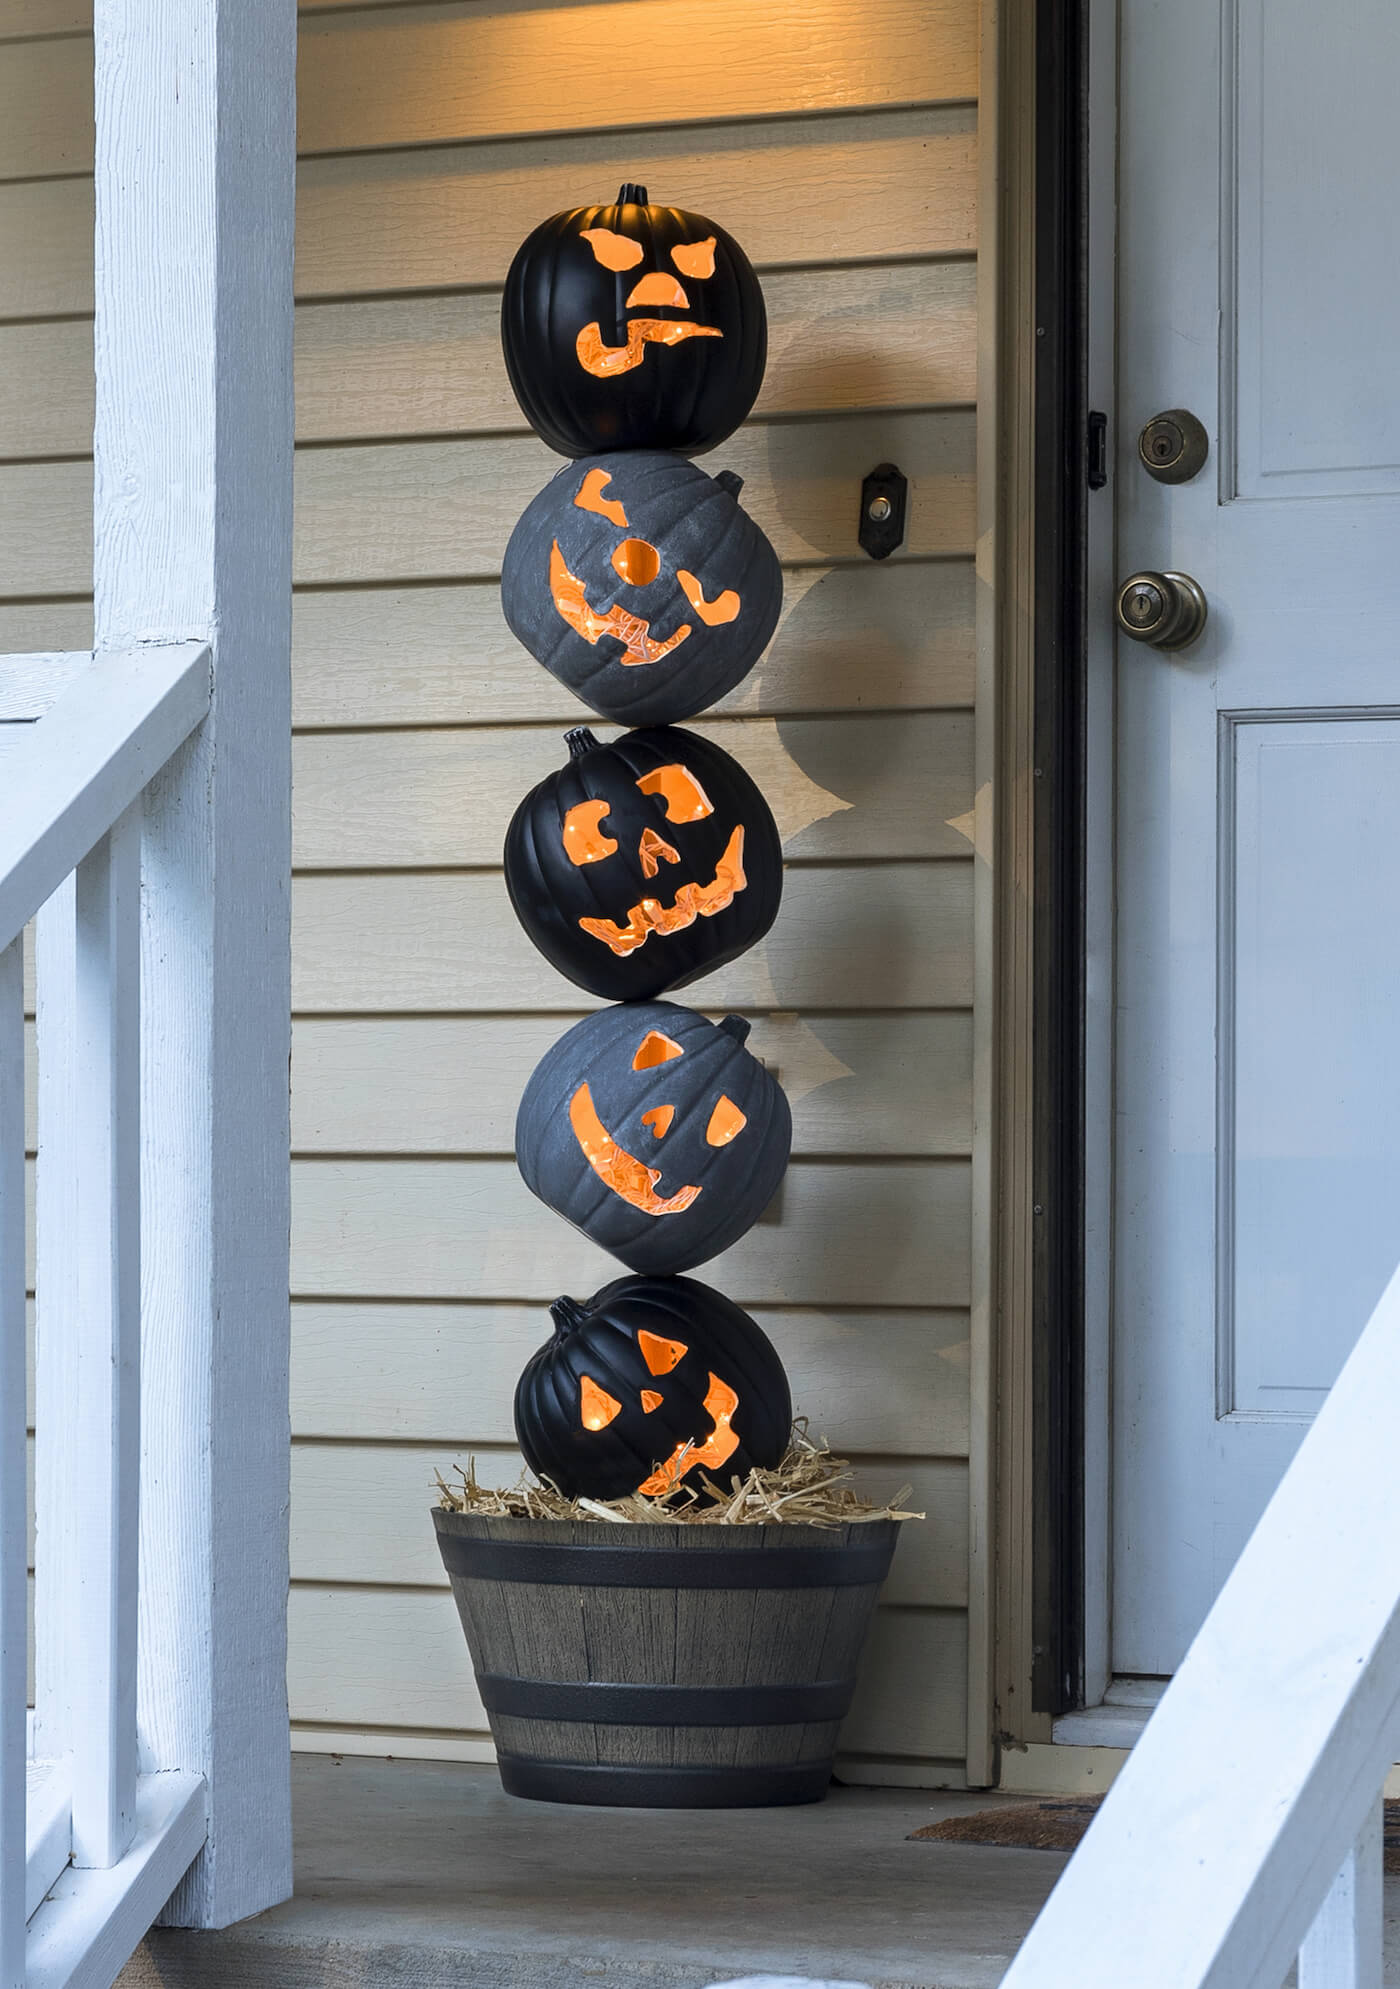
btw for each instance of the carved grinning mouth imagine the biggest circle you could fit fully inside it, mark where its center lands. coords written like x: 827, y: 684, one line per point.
x: 605, y: 362
x: 630, y: 630
x: 618, y: 1169
x: 692, y: 901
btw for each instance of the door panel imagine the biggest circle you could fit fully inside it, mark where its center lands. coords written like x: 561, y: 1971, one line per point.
x: 1316, y: 296
x: 1257, y: 1169
x: 1310, y: 1054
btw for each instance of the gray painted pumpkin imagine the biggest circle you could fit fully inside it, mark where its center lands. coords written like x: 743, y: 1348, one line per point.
x: 655, y: 1132
x: 641, y: 583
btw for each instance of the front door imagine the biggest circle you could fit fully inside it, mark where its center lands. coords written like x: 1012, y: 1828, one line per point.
x: 1257, y: 1161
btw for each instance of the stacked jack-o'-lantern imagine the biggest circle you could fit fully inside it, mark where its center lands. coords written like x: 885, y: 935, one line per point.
x: 635, y: 336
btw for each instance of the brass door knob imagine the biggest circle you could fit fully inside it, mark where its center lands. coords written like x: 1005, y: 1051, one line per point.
x: 1166, y: 609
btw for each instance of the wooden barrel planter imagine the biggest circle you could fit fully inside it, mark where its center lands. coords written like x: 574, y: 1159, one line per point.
x: 670, y: 1667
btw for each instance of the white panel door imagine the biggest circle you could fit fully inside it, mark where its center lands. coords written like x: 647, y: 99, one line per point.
x: 1258, y: 896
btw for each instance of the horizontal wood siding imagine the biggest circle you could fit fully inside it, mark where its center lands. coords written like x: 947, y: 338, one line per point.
x: 841, y: 151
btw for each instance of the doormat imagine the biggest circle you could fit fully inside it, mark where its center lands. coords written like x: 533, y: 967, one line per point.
x: 1059, y: 1822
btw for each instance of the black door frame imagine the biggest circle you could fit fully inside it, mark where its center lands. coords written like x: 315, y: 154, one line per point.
x: 1068, y: 463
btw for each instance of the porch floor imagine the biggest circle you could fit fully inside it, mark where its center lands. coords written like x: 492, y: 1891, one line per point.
x: 425, y: 1873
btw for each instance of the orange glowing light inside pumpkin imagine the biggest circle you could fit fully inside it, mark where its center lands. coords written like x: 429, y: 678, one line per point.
x: 661, y: 1356
x: 658, y: 289
x: 724, y: 607
x: 636, y: 562
x: 604, y: 362
x: 651, y: 1400
x: 590, y: 498
x: 695, y: 258
x: 726, y: 1123
x: 658, y: 1120
x: 651, y: 849
x: 596, y: 1407
x: 584, y: 840
x: 693, y: 901
x: 685, y: 799
x: 720, y: 1404
x: 617, y: 1169
x: 655, y: 1049
x: 612, y: 250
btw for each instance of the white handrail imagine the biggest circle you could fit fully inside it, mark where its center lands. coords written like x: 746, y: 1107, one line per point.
x: 1243, y: 1827
x: 68, y: 776
x: 13, y: 1529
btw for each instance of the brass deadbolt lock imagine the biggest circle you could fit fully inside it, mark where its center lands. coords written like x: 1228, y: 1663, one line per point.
x: 1174, y: 446
x: 1166, y: 609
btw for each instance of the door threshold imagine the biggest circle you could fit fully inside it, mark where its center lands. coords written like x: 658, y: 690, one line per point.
x: 1128, y: 1705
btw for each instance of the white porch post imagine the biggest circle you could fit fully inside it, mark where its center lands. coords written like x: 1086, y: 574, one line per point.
x: 195, y: 163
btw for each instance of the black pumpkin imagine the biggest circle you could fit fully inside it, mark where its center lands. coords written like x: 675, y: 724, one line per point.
x: 655, y: 1132
x: 643, y: 863
x: 653, y: 1383
x: 641, y: 584
x: 633, y: 327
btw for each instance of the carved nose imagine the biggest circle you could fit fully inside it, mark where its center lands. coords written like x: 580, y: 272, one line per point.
x: 636, y: 562
x: 658, y: 288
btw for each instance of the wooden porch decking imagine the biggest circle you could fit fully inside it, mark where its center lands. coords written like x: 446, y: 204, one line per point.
x: 424, y: 1873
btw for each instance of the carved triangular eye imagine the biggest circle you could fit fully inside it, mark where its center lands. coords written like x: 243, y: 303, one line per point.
x: 726, y: 1122
x: 655, y: 1049
x: 596, y: 1407
x: 660, y: 1355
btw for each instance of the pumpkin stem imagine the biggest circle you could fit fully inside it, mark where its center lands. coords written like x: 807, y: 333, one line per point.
x: 736, y: 1026
x: 631, y: 195
x: 579, y: 742
x: 729, y: 480
x: 568, y: 1315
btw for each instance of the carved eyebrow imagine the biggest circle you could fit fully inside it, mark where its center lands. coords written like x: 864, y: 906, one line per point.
x: 590, y: 498
x: 613, y: 251
x: 695, y: 258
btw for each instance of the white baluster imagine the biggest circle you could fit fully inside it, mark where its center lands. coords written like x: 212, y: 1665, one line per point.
x: 1343, y: 1947
x: 106, y: 1414
x: 13, y: 1528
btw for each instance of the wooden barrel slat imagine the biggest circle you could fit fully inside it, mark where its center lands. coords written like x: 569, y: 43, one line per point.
x: 678, y: 1607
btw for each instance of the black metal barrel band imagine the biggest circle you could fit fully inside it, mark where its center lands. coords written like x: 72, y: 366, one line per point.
x: 632, y: 1567
x: 660, y: 1787
x: 666, y: 1705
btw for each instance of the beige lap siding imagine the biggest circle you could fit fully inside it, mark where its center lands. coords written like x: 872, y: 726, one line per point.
x: 434, y: 136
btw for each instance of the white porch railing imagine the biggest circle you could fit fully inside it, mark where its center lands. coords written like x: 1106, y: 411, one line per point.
x: 1245, y: 1827
x: 70, y: 841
